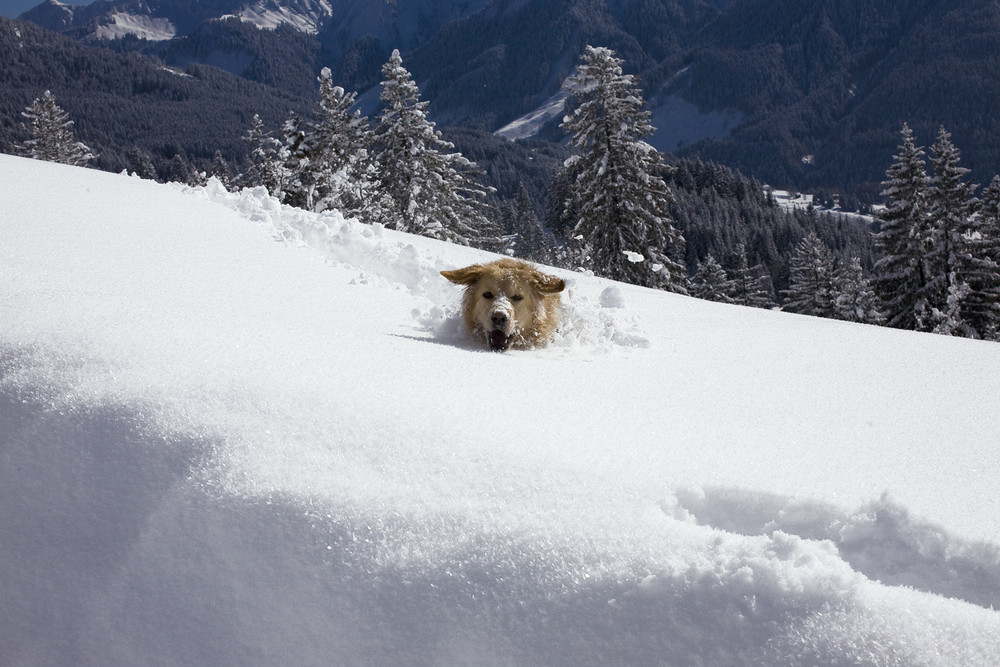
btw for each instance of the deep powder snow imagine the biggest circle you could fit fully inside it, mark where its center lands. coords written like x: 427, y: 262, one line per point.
x: 236, y: 433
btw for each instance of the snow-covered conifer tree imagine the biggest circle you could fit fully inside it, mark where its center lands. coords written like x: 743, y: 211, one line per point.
x: 339, y: 141
x: 266, y: 163
x: 811, y: 288
x: 52, y: 137
x: 855, y: 299
x: 221, y: 171
x: 531, y: 241
x: 902, y: 274
x: 710, y: 282
x: 425, y: 189
x: 981, y: 265
x: 181, y: 171
x: 751, y: 285
x: 951, y: 205
x: 296, y: 153
x: 141, y: 164
x: 622, y: 228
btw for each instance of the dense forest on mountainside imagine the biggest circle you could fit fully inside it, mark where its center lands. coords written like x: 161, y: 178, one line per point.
x: 283, y: 58
x: 817, y: 91
x: 124, y: 101
x: 826, y: 86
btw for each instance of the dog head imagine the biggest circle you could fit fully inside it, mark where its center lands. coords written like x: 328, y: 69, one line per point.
x: 510, y: 302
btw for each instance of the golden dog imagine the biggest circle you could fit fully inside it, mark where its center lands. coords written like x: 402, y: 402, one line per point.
x: 510, y: 302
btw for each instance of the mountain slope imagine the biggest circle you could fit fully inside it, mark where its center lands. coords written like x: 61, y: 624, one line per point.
x: 124, y: 101
x: 836, y: 81
x: 800, y: 95
x: 235, y: 433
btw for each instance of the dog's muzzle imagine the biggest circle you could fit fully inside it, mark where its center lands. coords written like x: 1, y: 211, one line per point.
x: 498, y: 337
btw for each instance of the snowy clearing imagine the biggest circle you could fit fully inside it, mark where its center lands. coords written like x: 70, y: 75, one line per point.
x: 235, y: 433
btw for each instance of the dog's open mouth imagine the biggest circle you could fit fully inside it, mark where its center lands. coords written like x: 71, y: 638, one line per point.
x: 499, y: 341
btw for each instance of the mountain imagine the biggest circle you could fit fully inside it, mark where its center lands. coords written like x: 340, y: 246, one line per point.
x: 824, y: 87
x: 121, y: 102
x: 166, y: 19
x: 799, y: 95
x: 236, y: 433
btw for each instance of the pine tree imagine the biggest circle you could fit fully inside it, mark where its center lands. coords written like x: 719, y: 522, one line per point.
x: 531, y: 241
x: 300, y: 180
x: 266, y: 163
x: 981, y: 265
x: 181, y: 171
x: 616, y: 180
x: 220, y: 170
x: 341, y: 139
x: 426, y: 190
x: 811, y: 289
x: 901, y: 274
x: 752, y: 286
x: 710, y: 282
x: 326, y: 159
x: 52, y: 134
x: 855, y: 299
x: 947, y: 249
x: 141, y: 164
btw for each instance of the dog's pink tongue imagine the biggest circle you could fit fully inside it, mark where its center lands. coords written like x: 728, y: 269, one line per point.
x: 498, y: 338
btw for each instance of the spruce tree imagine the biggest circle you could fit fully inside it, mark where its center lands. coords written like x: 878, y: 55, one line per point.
x: 855, y: 298
x: 221, y: 171
x: 266, y: 163
x: 51, y: 132
x: 981, y: 265
x: 328, y: 156
x: 531, y: 241
x: 426, y: 189
x: 618, y: 196
x: 710, y: 282
x: 752, y: 285
x: 948, y: 251
x: 812, y: 288
x: 141, y: 164
x: 901, y: 274
x: 300, y: 182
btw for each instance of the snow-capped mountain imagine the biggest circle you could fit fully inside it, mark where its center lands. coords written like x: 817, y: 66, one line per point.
x: 166, y: 19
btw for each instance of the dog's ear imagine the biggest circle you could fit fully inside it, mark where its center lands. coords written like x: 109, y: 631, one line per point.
x: 547, y: 284
x: 466, y: 276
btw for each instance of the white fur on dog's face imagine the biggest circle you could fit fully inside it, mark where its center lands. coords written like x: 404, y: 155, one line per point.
x: 509, y: 302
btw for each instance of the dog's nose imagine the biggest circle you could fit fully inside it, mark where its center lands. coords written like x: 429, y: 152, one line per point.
x: 499, y: 318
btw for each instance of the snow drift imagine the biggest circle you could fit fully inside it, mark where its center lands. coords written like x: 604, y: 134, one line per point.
x: 234, y: 433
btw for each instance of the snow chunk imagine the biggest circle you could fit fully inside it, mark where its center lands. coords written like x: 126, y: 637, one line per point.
x: 634, y: 257
x: 612, y: 297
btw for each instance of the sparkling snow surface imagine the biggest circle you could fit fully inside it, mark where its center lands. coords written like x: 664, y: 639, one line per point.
x: 234, y: 433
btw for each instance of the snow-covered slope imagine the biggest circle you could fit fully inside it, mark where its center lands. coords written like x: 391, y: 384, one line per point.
x: 233, y: 433
x: 120, y: 24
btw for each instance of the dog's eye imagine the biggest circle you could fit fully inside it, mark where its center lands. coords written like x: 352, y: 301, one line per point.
x: 516, y: 297
x: 487, y: 295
